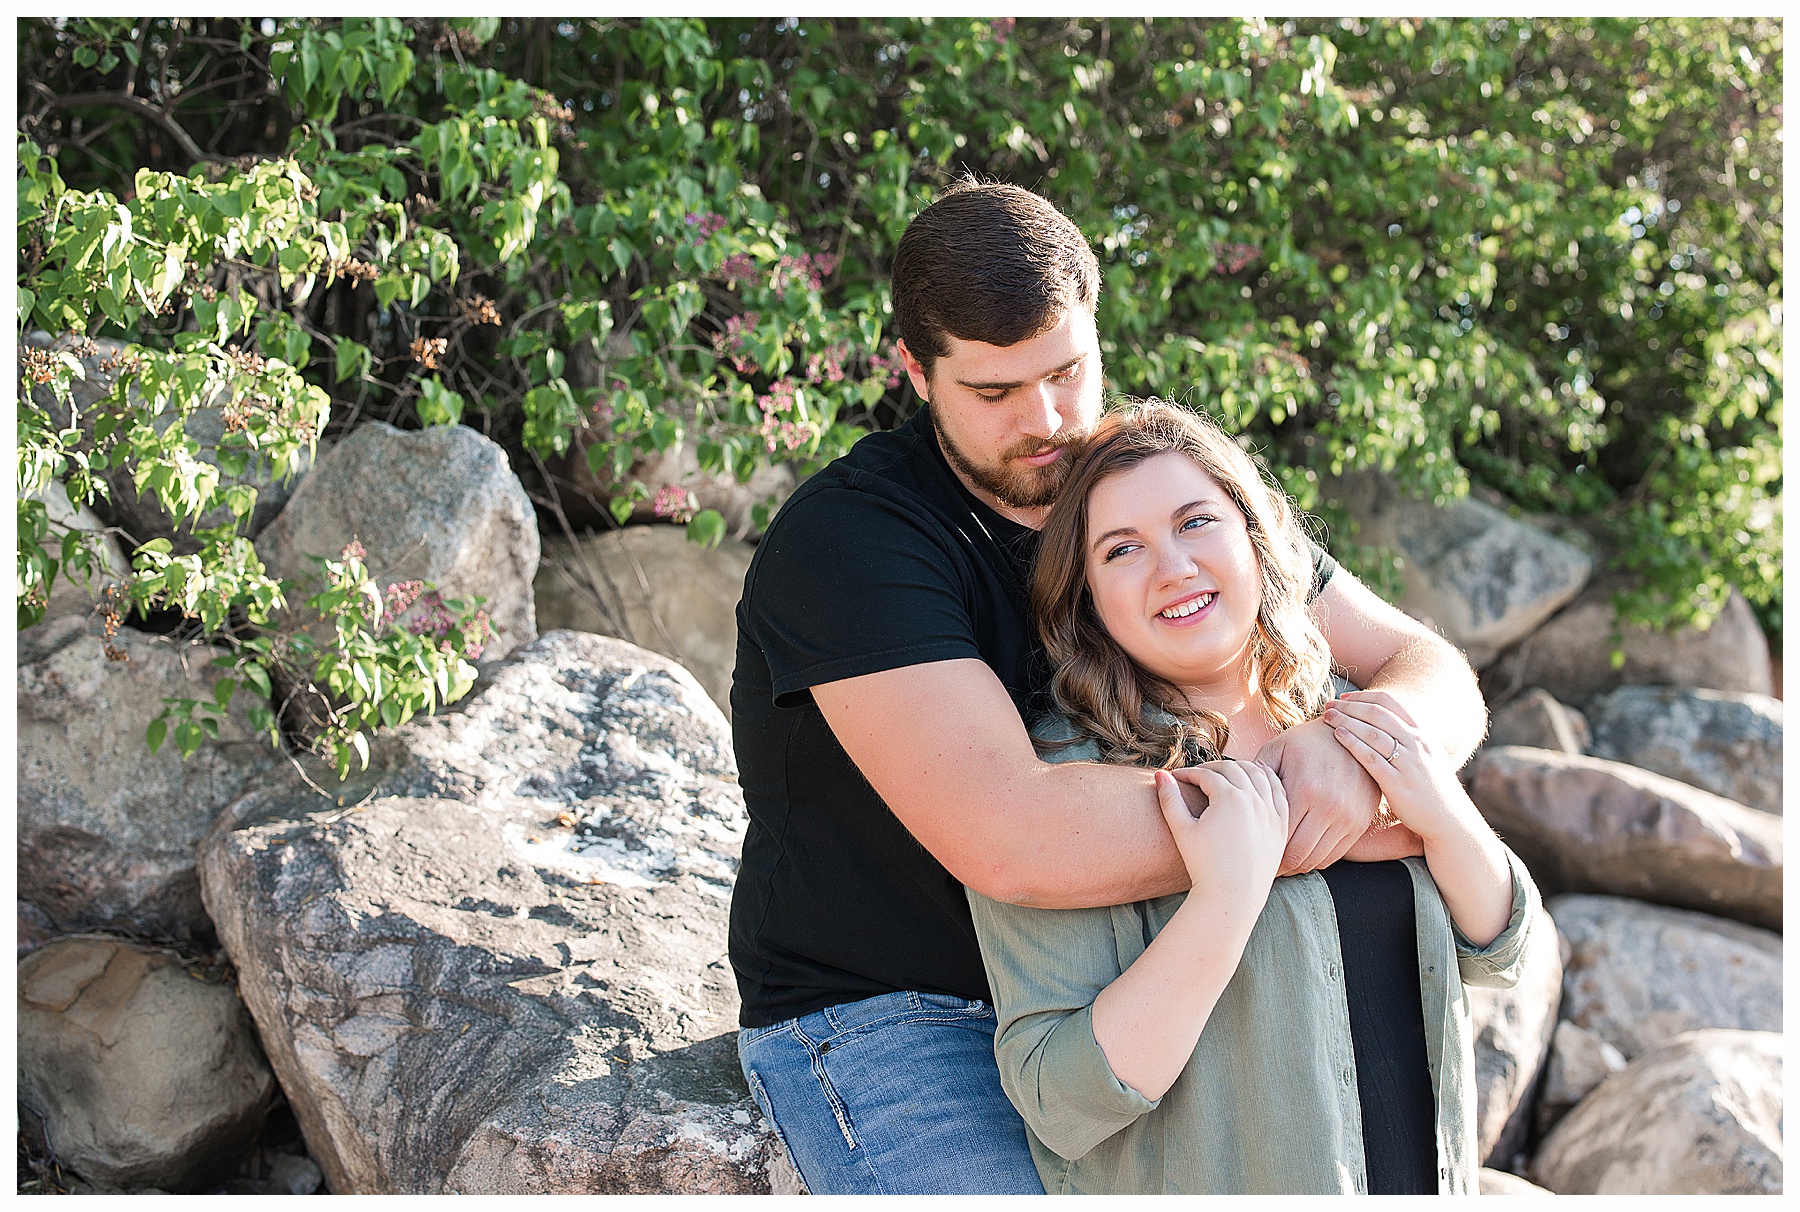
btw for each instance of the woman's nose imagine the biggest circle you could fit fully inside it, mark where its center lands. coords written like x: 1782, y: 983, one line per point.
x: 1175, y: 565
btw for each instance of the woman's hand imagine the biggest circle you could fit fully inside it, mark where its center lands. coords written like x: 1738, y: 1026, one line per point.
x: 1238, y: 840
x: 1421, y: 788
x: 1466, y: 858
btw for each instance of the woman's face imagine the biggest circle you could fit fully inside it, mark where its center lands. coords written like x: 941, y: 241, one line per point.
x: 1172, y: 570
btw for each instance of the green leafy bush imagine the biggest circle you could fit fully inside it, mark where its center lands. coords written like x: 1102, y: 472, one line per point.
x: 1540, y: 256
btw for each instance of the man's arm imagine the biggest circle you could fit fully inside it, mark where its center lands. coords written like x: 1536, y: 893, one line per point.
x: 943, y: 746
x: 1379, y: 648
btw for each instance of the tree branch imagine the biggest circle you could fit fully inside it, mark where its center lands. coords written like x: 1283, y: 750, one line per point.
x: 143, y: 109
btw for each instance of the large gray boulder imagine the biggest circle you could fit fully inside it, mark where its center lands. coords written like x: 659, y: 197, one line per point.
x: 439, y: 505
x: 1571, y: 654
x: 1585, y: 824
x: 1700, y: 1114
x: 1637, y: 974
x: 1728, y: 744
x: 132, y: 1072
x: 1512, y: 1030
x: 676, y: 597
x: 142, y: 517
x: 107, y: 829
x: 1537, y: 720
x: 1482, y: 576
x: 500, y: 965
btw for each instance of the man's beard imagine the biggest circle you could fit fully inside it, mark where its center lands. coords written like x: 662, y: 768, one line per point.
x: 1016, y: 486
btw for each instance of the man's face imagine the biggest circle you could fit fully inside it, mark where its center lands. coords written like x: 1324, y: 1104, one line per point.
x: 1007, y: 415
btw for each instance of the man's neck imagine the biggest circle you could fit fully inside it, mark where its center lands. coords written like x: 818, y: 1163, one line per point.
x: 1031, y: 519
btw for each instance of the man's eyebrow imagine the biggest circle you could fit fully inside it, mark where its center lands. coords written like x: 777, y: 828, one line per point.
x: 998, y: 385
x: 1127, y: 530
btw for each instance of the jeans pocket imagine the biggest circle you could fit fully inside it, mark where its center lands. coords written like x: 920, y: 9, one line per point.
x: 940, y: 1003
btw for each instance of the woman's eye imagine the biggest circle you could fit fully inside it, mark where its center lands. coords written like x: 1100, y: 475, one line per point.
x: 1123, y: 549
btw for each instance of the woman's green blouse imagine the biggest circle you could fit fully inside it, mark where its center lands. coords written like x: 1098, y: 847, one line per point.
x: 1268, y: 1102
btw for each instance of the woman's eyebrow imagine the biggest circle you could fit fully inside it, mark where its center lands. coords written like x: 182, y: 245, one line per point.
x: 1113, y: 533
x: 1173, y: 516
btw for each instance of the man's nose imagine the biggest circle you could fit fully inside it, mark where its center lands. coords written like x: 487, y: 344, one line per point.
x: 1040, y: 417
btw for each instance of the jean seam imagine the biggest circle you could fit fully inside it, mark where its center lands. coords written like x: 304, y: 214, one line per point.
x: 838, y: 1111
x: 937, y: 1014
x: 761, y: 1098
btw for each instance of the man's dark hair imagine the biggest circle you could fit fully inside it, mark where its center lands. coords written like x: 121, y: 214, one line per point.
x: 991, y: 263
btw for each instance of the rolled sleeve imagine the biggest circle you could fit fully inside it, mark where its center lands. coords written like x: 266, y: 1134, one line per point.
x: 1496, y: 966
x: 1046, y: 967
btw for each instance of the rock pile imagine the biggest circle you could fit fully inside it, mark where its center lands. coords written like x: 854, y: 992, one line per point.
x: 495, y: 960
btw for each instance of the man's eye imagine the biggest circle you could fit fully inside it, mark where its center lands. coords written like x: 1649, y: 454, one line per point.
x: 994, y: 396
x: 1063, y: 376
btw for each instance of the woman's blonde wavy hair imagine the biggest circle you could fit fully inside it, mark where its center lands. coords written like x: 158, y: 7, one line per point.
x: 1102, y: 690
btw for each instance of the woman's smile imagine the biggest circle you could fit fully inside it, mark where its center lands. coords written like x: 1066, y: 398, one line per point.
x: 1189, y: 609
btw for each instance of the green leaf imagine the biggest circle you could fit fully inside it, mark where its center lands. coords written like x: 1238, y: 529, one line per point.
x: 353, y: 360
x: 223, y: 689
x: 258, y: 677
x: 437, y: 404
x: 154, y: 734
x: 707, y: 528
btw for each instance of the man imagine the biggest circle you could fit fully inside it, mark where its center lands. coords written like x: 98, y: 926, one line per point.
x: 887, y: 667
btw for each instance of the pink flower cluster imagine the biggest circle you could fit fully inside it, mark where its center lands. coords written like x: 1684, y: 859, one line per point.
x: 353, y: 551
x: 827, y: 366
x: 1003, y: 28
x: 778, y: 430
x: 435, y: 619
x: 674, y: 503
x: 399, y: 596
x: 730, y: 344
x: 809, y: 268
x: 893, y: 368
x: 738, y: 268
x: 1233, y: 257
x: 708, y: 225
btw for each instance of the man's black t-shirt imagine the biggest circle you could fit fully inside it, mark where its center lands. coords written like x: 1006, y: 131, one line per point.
x: 880, y: 561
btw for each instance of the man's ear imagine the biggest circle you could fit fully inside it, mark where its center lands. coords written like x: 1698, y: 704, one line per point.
x: 915, y: 371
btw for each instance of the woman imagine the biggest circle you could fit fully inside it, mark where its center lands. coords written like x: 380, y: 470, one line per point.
x: 1303, y: 1034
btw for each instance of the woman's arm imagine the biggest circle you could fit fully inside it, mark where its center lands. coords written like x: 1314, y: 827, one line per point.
x: 1148, y: 1021
x: 1049, y: 968
x: 1466, y: 858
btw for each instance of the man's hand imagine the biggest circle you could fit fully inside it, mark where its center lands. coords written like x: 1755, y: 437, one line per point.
x: 1333, y: 800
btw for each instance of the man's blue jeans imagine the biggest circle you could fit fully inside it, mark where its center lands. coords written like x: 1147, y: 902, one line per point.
x: 897, y: 1094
